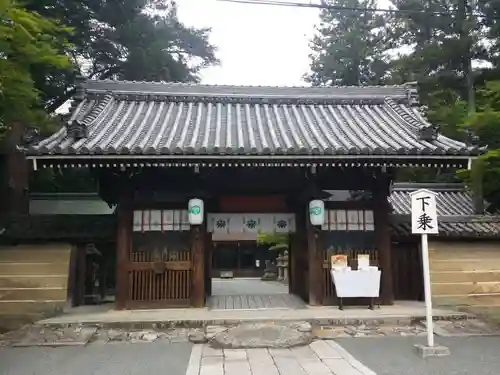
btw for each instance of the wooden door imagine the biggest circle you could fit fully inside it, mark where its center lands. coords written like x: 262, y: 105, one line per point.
x: 407, y: 271
x: 160, y: 270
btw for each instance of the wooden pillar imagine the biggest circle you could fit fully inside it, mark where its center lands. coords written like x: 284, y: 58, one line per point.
x: 292, y: 266
x: 208, y: 264
x: 198, y: 265
x: 299, y: 257
x: 18, y: 172
x: 383, y: 238
x: 123, y: 243
x: 315, y: 265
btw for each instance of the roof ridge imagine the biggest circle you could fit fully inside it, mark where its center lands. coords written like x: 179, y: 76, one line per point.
x: 196, y: 84
x: 185, y: 91
x: 442, y: 186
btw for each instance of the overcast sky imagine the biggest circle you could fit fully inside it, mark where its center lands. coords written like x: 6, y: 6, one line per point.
x: 258, y: 44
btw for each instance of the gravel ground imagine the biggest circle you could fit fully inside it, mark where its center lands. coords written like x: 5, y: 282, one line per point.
x: 397, y: 356
x: 97, y: 359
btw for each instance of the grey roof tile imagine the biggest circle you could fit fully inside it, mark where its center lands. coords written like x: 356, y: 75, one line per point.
x: 171, y: 118
x: 455, y: 209
x: 455, y: 230
x: 451, y: 200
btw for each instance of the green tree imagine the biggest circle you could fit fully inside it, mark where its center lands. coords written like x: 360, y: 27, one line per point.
x: 485, y: 123
x: 119, y: 39
x: 125, y: 40
x: 279, y: 241
x: 27, y: 41
x: 446, y: 38
x: 350, y: 47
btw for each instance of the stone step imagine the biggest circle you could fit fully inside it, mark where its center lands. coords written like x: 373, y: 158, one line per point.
x: 158, y: 324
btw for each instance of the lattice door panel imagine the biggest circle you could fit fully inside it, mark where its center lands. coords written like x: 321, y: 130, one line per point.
x: 160, y: 269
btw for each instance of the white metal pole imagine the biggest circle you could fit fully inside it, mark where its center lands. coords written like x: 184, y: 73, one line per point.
x: 427, y: 291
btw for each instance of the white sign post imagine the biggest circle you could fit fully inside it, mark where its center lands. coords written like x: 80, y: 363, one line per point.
x: 424, y: 222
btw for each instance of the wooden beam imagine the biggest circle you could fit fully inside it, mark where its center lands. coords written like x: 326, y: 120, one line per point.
x: 198, y: 265
x: 383, y: 237
x: 123, y: 247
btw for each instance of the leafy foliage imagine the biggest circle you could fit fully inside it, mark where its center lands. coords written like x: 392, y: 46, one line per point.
x: 28, y: 41
x: 486, y: 125
x: 273, y: 238
x: 118, y: 39
x: 443, y: 40
x: 125, y: 40
x: 350, y: 46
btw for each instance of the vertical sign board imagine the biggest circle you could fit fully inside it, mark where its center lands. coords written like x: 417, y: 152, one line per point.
x: 424, y: 222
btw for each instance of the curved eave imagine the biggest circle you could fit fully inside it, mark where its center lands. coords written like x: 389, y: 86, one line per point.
x: 212, y: 161
x: 228, y: 153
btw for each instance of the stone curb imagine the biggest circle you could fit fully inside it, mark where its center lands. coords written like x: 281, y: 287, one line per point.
x: 50, y: 344
x: 174, y: 324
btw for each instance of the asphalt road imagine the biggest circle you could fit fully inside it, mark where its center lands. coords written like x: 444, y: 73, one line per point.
x: 396, y: 356
x: 97, y: 359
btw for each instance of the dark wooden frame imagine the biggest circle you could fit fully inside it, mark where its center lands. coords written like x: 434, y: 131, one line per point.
x: 306, y: 256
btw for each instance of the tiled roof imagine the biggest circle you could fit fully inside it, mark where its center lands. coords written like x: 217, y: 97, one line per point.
x: 467, y: 228
x: 452, y: 199
x: 455, y: 209
x: 139, y: 118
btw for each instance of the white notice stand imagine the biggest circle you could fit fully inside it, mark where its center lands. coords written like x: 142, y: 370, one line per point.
x: 423, y: 222
x: 353, y: 284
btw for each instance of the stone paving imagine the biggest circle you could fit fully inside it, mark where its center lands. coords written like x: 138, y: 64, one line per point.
x: 242, y: 335
x: 324, y: 315
x: 242, y: 286
x: 317, y: 358
x: 75, y: 335
x: 264, y: 336
x: 256, y: 302
x: 251, y: 294
x: 369, y: 329
x: 43, y: 336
